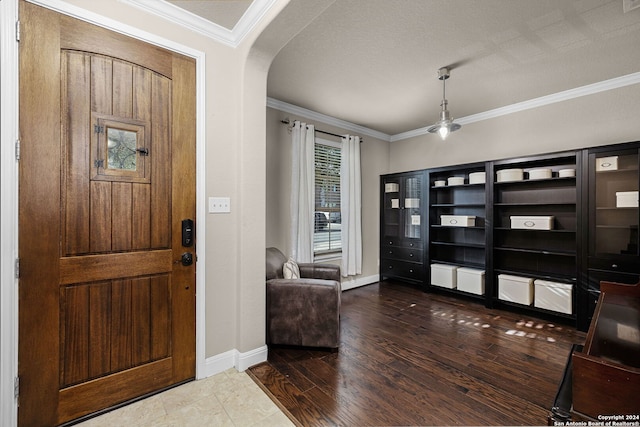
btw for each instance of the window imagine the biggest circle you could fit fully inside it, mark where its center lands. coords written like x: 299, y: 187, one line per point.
x: 327, y: 221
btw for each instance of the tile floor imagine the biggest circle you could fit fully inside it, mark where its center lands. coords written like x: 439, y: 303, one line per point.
x: 230, y: 398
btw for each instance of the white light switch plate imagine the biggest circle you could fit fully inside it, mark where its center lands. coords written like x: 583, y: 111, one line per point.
x: 219, y: 205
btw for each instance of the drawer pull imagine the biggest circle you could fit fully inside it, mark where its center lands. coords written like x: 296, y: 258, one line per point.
x: 411, y: 255
x: 410, y: 271
x: 614, y: 265
x: 529, y: 224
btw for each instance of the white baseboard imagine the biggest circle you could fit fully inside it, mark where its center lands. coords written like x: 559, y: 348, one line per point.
x: 360, y: 281
x: 232, y: 359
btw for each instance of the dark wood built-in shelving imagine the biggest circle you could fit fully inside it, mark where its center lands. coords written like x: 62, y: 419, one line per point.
x: 592, y: 238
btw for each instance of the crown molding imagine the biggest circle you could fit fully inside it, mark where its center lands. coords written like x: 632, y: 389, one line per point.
x: 254, y: 13
x: 299, y: 111
x: 603, y: 86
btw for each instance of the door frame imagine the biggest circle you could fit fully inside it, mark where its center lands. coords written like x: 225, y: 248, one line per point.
x: 9, y: 190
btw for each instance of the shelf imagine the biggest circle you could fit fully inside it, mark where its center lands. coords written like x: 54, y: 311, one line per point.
x: 529, y: 230
x: 459, y: 264
x: 534, y: 204
x: 461, y: 245
x: 617, y: 171
x: 536, y: 309
x: 458, y: 205
x: 536, y: 251
x: 531, y: 181
x: 450, y: 227
x: 617, y: 227
x: 614, y: 208
x: 534, y: 275
x: 447, y: 187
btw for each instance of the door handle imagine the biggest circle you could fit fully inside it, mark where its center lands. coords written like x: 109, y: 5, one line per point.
x: 186, y: 259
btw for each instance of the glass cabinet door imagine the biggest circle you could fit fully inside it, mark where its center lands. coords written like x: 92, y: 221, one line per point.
x: 616, y: 204
x: 411, y: 212
x: 391, y: 206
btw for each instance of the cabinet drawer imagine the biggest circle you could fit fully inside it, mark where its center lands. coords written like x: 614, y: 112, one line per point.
x: 615, y: 265
x: 405, y: 243
x: 405, y: 254
x: 406, y: 270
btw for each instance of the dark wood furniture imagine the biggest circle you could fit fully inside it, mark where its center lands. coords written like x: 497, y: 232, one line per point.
x: 612, y: 234
x: 550, y: 255
x: 453, y: 245
x: 606, y: 373
x: 593, y: 238
x: 402, y: 230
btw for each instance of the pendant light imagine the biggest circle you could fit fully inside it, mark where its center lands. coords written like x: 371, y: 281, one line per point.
x: 445, y: 125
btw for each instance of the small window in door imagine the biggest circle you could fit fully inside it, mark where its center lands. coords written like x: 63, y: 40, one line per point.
x: 120, y: 149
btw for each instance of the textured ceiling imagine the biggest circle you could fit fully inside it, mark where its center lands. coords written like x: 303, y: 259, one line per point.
x: 374, y: 62
x: 225, y: 13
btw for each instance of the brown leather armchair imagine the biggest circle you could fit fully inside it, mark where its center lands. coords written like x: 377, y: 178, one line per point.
x: 305, y: 311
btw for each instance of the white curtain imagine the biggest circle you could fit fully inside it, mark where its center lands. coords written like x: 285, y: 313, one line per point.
x: 302, y: 191
x: 350, y: 206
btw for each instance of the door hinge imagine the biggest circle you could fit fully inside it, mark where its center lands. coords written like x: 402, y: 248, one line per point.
x: 98, y: 129
x: 17, y: 268
x: 17, y: 31
x: 16, y: 388
x: 17, y: 149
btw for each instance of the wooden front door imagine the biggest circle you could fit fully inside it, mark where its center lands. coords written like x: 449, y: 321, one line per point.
x: 107, y: 174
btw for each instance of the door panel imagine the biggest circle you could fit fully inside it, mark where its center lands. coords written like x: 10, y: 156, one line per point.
x: 107, y: 312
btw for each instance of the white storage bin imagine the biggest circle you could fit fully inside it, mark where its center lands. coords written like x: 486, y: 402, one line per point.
x: 607, y: 163
x: 391, y: 187
x: 626, y: 199
x: 507, y: 175
x: 540, y: 173
x: 532, y: 222
x: 477, y: 178
x: 395, y: 203
x: 458, y: 220
x: 553, y: 296
x: 411, y: 203
x: 471, y: 280
x: 455, y: 180
x: 444, y: 275
x: 565, y: 173
x: 440, y: 183
x: 515, y: 289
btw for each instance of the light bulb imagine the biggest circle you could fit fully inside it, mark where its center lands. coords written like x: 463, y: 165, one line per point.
x: 443, y: 131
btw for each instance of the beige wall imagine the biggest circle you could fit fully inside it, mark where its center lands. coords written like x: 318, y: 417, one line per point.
x: 374, y: 157
x: 599, y: 119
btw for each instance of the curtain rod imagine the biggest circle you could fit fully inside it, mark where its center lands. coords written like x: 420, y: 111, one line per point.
x: 288, y: 122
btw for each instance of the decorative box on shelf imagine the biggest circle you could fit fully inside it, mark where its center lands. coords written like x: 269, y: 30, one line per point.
x: 455, y: 180
x: 532, y: 222
x: 391, y: 187
x: 411, y: 203
x: 515, y: 289
x: 477, y: 177
x: 471, y: 280
x: 444, y: 275
x: 607, y: 164
x: 508, y: 175
x: 553, y: 296
x: 458, y: 220
x: 543, y: 173
x: 626, y: 199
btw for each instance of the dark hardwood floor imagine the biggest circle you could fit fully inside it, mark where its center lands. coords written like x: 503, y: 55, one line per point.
x: 414, y: 358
